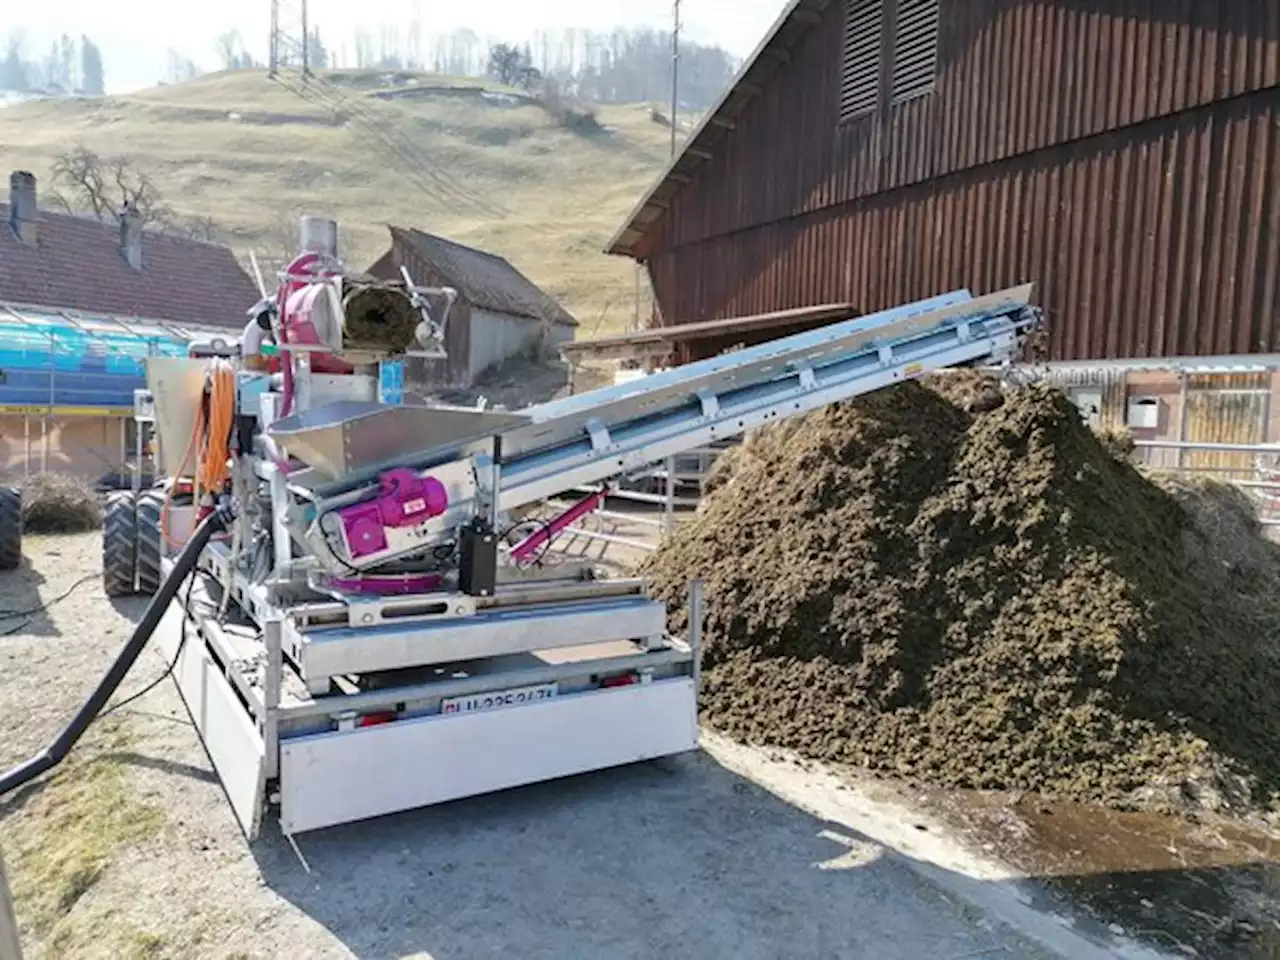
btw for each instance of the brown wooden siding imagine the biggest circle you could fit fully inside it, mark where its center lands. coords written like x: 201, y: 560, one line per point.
x: 1015, y: 77
x: 1159, y: 239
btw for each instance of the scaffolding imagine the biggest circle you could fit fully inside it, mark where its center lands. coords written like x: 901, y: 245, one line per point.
x: 66, y: 368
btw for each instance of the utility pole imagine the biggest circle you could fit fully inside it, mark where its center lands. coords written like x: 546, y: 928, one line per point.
x: 306, y: 43
x: 675, y: 72
x: 415, y: 37
x: 273, y: 40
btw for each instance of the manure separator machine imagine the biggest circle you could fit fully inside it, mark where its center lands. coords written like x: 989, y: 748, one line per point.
x: 358, y: 618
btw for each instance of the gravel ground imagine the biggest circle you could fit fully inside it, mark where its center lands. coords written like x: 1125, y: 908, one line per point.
x: 131, y: 850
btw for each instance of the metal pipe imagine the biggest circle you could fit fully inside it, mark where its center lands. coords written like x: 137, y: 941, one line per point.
x: 57, y: 751
x: 1191, y: 445
x: 695, y: 630
x: 669, y: 498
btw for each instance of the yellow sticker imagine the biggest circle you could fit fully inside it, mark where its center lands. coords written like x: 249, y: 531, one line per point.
x: 913, y: 369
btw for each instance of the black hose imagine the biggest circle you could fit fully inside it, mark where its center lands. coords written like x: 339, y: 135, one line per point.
x: 57, y: 751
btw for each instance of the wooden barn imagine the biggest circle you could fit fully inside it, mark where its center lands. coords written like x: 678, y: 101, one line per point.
x: 1122, y: 154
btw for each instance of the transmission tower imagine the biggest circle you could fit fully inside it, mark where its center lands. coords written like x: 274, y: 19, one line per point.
x: 273, y: 41
x: 306, y: 43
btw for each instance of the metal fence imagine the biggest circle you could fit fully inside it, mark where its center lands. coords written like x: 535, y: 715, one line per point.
x: 1253, y: 467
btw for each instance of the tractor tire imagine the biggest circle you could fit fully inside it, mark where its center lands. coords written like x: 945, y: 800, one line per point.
x: 119, y: 545
x: 10, y: 528
x: 149, y: 550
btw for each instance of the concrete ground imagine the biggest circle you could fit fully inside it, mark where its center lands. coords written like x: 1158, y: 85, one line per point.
x: 131, y: 849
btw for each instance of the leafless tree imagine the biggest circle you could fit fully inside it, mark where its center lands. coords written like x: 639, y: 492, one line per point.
x: 201, y: 228
x: 84, y: 182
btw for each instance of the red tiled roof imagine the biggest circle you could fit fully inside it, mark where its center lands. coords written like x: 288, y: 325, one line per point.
x: 77, y: 264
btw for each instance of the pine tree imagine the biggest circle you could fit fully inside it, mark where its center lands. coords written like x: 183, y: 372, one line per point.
x: 91, y: 68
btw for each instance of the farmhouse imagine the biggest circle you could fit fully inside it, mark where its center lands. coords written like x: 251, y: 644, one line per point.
x: 82, y: 304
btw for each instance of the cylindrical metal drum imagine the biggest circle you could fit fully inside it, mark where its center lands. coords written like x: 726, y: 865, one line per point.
x: 319, y: 235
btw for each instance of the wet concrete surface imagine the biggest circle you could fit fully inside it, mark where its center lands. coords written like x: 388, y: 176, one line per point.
x: 1203, y: 887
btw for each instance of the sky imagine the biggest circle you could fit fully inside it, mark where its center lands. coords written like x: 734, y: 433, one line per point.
x: 136, y: 35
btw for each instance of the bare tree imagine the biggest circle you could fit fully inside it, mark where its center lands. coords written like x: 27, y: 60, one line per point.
x: 203, y: 228
x: 84, y: 182
x: 505, y: 63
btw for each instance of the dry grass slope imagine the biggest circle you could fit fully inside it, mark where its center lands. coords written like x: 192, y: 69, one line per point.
x: 252, y: 154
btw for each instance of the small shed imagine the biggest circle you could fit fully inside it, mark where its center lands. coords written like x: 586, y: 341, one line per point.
x: 500, y: 313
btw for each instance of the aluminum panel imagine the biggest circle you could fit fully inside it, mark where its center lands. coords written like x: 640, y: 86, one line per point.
x: 391, y: 646
x: 229, y: 736
x: 333, y: 778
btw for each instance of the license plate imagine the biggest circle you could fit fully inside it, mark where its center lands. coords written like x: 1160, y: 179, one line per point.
x: 496, y: 699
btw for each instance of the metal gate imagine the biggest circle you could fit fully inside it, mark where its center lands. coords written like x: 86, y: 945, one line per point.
x: 1225, y: 408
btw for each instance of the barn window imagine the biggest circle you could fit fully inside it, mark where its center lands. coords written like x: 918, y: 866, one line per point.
x: 860, y: 73
x: 915, y: 53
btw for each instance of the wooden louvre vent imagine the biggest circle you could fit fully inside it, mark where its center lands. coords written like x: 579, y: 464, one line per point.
x: 915, y: 49
x: 860, y: 74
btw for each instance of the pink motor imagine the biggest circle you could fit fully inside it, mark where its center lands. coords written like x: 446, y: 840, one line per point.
x: 404, y: 499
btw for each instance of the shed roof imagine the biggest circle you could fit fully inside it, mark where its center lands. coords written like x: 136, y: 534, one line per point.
x: 657, y: 342
x: 485, y: 279
x: 76, y: 264
x: 773, y: 52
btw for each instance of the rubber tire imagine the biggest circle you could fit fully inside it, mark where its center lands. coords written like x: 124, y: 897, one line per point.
x: 150, y: 504
x: 119, y: 544
x: 10, y: 528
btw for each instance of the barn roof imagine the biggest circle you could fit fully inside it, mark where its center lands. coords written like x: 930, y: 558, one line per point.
x: 484, y: 279
x: 77, y: 264
x: 772, y: 53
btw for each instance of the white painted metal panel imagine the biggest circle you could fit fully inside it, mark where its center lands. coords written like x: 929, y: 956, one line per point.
x: 230, y: 737
x: 334, y: 778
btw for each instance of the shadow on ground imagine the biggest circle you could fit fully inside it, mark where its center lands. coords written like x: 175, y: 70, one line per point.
x: 21, y: 605
x: 679, y: 857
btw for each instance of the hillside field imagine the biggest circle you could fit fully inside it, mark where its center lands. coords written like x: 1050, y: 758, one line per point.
x: 476, y: 163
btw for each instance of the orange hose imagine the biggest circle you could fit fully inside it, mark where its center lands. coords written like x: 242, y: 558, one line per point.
x: 214, y: 431
x: 215, y: 461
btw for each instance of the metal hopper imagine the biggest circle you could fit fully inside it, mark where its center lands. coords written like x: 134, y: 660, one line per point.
x: 350, y: 437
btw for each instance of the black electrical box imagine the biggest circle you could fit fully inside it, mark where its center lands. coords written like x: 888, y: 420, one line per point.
x: 478, y: 555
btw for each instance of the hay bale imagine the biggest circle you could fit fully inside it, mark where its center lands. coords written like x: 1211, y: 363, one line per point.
x: 58, y: 503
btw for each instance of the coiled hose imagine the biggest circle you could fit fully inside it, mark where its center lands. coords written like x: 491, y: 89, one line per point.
x: 211, y: 436
x: 54, y: 754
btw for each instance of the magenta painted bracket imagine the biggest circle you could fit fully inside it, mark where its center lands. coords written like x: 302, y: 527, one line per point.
x: 527, y: 547
x: 388, y: 585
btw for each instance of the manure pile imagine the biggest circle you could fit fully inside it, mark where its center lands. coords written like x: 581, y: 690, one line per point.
x: 969, y: 589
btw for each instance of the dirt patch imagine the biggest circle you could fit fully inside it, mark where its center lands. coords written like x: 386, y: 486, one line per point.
x: 969, y: 588
x: 57, y: 503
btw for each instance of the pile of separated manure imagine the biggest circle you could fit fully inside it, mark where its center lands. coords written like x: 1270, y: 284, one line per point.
x: 968, y: 588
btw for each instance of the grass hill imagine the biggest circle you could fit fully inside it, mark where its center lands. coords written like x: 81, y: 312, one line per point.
x: 480, y: 164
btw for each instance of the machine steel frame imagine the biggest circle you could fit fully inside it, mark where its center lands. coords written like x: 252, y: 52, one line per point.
x: 315, y: 706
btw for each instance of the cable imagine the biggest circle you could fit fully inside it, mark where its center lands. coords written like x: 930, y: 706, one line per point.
x: 56, y: 752
x: 168, y: 671
x: 10, y: 614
